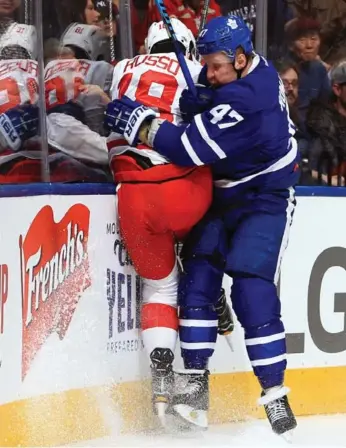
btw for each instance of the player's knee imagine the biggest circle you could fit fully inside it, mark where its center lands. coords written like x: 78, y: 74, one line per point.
x: 163, y: 291
x: 255, y: 302
x: 200, y: 284
x: 204, y: 259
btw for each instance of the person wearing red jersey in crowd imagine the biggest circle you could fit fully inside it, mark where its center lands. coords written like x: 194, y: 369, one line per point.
x: 145, y: 12
x: 187, y: 11
x: 158, y: 202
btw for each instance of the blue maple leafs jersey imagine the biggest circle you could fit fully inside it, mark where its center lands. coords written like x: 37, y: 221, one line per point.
x: 246, y: 136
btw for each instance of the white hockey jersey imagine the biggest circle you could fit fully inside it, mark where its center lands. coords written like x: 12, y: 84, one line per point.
x: 156, y: 81
x: 63, y: 78
x: 18, y: 83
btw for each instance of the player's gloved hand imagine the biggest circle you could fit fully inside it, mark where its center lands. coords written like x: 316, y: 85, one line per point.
x: 18, y: 125
x: 191, y: 106
x: 202, y: 77
x: 125, y: 117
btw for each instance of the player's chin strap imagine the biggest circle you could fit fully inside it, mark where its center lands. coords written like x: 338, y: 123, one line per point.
x: 238, y: 72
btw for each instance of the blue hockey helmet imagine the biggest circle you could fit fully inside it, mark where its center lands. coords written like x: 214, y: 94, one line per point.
x: 227, y: 34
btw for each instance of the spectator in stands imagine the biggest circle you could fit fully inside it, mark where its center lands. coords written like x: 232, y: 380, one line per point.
x: 103, y: 7
x: 8, y: 8
x: 109, y: 27
x: 303, y: 39
x: 325, y: 11
x: 326, y: 122
x: 289, y: 74
x: 9, y: 16
x: 78, y: 11
x: 334, y: 39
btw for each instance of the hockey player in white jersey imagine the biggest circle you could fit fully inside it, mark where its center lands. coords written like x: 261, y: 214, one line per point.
x: 18, y: 86
x: 74, y: 121
x: 78, y: 130
x: 18, y: 74
x: 158, y: 202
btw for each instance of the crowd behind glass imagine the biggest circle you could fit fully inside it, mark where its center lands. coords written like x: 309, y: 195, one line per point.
x: 305, y: 39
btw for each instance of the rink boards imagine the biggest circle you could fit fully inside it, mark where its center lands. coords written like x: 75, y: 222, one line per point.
x: 72, y: 365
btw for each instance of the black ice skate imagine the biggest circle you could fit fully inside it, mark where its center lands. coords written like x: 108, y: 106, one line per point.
x: 162, y: 380
x: 190, y: 402
x: 278, y: 410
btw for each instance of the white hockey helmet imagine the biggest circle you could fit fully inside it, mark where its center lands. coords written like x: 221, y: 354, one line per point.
x: 21, y: 35
x: 88, y: 38
x: 158, y: 33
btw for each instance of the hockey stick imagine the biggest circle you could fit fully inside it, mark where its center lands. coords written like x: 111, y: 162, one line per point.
x: 181, y: 58
x: 204, y: 16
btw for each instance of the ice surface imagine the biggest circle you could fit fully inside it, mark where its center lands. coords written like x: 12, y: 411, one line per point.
x: 318, y: 431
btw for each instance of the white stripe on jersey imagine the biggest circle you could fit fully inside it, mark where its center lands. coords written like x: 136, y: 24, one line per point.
x: 202, y: 130
x: 281, y: 163
x: 189, y: 149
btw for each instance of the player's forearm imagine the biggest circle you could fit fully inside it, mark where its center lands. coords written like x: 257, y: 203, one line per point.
x: 165, y: 138
x: 75, y: 139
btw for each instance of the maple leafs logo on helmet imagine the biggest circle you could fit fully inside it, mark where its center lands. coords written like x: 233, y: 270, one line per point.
x: 225, y: 34
x: 232, y: 24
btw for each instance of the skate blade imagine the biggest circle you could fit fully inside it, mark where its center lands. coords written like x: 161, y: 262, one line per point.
x: 161, y: 408
x: 228, y: 338
x: 190, y: 419
x: 288, y: 436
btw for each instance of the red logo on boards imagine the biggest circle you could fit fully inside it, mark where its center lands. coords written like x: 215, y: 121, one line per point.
x: 54, y: 272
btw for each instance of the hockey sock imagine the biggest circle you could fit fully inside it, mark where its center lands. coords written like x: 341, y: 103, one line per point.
x: 266, y: 347
x: 159, y: 326
x: 198, y: 334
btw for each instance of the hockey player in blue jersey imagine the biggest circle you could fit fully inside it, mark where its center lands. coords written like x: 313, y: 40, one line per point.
x: 239, y: 124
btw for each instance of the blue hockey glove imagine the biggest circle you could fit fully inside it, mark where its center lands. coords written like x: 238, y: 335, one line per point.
x: 191, y: 106
x: 202, y: 77
x: 18, y: 125
x: 125, y: 117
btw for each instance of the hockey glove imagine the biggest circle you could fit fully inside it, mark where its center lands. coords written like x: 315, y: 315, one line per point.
x: 191, y: 106
x: 202, y: 77
x: 18, y: 125
x: 125, y: 117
